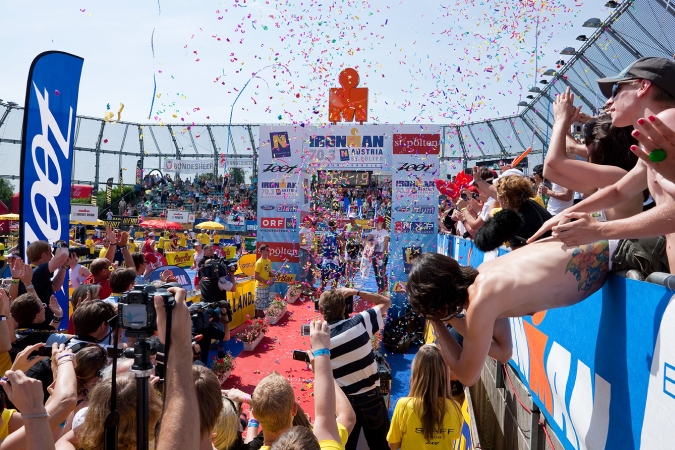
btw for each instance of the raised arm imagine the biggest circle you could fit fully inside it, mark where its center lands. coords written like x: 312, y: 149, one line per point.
x: 628, y: 187
x: 376, y: 299
x: 501, y: 345
x: 60, y: 258
x: 325, y: 425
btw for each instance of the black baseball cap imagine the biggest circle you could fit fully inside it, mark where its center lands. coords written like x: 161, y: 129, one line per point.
x: 660, y: 71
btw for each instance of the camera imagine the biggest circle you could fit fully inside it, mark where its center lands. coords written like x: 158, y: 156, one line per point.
x: 577, y: 129
x: 300, y: 355
x: 383, y: 372
x: 136, y: 310
x: 349, y: 306
x: 77, y: 251
x: 217, y: 267
x: 201, y: 312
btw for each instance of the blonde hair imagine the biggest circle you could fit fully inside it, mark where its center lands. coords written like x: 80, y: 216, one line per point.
x: 227, y: 425
x: 80, y: 293
x: 513, y: 191
x: 429, y: 389
x: 273, y: 401
x: 90, y: 435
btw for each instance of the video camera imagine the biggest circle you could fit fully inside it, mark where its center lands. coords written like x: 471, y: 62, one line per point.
x: 136, y: 310
x: 78, y: 251
x: 201, y: 312
x: 217, y: 267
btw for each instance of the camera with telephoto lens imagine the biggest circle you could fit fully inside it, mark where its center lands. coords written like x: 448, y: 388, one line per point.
x: 77, y: 251
x: 203, y: 313
x: 217, y: 267
x: 136, y: 310
x: 383, y: 372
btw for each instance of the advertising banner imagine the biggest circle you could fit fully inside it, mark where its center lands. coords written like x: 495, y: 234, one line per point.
x: 348, y: 147
x: 83, y: 213
x: 414, y: 219
x: 122, y: 222
x: 177, y: 216
x: 280, y: 161
x: 46, y: 149
x: 180, y: 259
x: 139, y: 171
x: 241, y: 302
x: 108, y: 191
x: 80, y: 191
x: 182, y: 276
x: 189, y: 165
x: 240, y: 163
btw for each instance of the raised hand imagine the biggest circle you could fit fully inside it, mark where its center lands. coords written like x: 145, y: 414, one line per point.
x: 55, y: 307
x: 563, y: 107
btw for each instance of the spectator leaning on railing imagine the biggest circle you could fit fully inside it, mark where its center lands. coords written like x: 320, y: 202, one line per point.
x: 645, y: 88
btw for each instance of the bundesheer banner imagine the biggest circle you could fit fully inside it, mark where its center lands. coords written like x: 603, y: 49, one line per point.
x: 189, y: 165
x: 83, y: 213
x: 279, y: 188
x: 414, y: 215
x: 49, y: 123
x: 241, y: 163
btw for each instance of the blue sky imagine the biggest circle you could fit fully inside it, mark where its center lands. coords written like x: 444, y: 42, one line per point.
x: 423, y: 61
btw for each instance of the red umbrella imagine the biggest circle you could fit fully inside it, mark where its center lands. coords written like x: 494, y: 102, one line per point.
x: 161, y: 224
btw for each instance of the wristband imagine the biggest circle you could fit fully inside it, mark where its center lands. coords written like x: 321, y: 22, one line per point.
x: 247, y: 399
x: 321, y: 351
x: 35, y: 416
x: 16, y: 280
x: 30, y: 286
x: 70, y: 355
x: 3, y: 318
x: 57, y: 319
x: 252, y: 423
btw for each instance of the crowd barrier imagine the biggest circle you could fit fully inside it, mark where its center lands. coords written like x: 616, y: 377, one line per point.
x: 601, y: 371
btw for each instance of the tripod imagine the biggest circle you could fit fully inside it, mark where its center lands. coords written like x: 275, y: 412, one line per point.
x: 142, y: 368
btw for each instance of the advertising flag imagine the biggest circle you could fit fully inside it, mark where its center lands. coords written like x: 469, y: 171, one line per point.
x: 46, y: 150
x: 139, y: 171
x: 121, y: 182
x: 108, y: 191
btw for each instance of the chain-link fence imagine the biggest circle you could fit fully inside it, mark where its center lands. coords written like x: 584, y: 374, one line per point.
x: 635, y: 28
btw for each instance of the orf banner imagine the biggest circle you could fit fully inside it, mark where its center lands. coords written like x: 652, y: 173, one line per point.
x: 46, y: 150
x: 414, y: 217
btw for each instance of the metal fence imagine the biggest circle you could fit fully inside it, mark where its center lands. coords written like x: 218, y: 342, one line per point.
x: 635, y: 28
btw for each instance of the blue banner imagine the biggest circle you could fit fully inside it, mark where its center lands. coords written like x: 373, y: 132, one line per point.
x: 180, y: 273
x: 46, y: 149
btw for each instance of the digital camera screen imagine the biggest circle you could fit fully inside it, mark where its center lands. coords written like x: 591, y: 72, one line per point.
x: 135, y: 316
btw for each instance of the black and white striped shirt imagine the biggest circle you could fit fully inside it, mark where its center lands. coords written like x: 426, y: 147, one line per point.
x: 351, y: 353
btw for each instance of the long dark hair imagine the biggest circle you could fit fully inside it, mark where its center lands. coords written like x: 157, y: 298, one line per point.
x: 610, y: 145
x: 437, y: 285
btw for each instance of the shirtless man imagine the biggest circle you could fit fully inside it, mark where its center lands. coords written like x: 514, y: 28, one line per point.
x: 645, y: 89
x: 535, y: 278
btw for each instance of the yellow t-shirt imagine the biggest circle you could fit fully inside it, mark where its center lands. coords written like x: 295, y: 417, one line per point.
x: 132, y: 247
x: 168, y: 246
x: 5, y: 363
x: 102, y: 253
x: 182, y: 240
x: 89, y: 243
x: 2, y: 251
x: 263, y: 267
x: 329, y: 444
x: 539, y: 200
x: 4, y: 428
x: 406, y: 427
x: 204, y: 238
x: 160, y: 242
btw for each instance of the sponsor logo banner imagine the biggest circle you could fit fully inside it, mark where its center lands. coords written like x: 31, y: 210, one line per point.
x: 414, y: 227
x: 280, y: 145
x: 279, y: 190
x: 85, y: 213
x: 189, y: 165
x: 80, y: 191
x: 417, y: 144
x: 122, y: 222
x: 287, y: 208
x: 281, y: 251
x: 285, y: 278
x: 280, y: 224
x: 240, y: 163
x: 348, y: 147
x: 181, y: 259
x: 416, y: 209
x: 47, y: 145
x: 247, y: 264
x: 183, y: 278
x: 177, y: 216
x: 268, y: 207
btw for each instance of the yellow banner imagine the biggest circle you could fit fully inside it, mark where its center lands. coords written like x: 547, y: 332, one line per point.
x: 229, y: 252
x: 285, y: 278
x: 242, y: 302
x: 180, y: 259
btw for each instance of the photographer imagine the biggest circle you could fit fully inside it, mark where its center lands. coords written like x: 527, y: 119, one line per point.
x: 212, y: 316
x: 353, y: 360
x: 45, y: 282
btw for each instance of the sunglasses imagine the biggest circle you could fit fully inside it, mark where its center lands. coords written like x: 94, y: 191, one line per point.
x: 615, y: 87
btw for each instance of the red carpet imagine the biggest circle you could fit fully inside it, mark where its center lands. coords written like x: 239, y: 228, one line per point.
x: 274, y: 353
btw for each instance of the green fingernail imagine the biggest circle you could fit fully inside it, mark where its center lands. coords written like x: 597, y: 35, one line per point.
x: 657, y: 155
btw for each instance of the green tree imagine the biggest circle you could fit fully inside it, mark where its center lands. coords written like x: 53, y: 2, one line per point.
x: 6, y: 192
x: 129, y: 194
x: 237, y: 174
